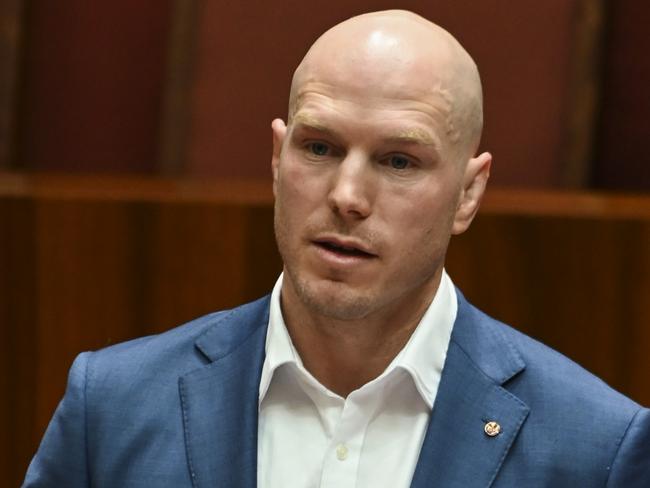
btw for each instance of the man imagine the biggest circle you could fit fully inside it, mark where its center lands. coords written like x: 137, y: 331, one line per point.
x: 365, y: 367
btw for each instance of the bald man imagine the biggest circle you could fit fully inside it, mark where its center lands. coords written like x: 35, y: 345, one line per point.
x: 365, y: 367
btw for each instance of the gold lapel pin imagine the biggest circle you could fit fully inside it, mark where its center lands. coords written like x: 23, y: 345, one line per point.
x: 492, y: 428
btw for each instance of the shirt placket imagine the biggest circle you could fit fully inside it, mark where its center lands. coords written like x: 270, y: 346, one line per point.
x: 342, y: 458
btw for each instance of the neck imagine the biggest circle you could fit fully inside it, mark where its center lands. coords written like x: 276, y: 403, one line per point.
x: 344, y: 355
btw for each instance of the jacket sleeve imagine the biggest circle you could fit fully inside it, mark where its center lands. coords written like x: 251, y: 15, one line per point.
x: 631, y: 466
x: 61, y: 459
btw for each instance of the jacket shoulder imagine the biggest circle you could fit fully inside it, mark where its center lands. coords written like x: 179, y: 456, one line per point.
x: 179, y: 341
x: 578, y: 426
x: 547, y: 372
x: 557, y: 376
x: 154, y: 363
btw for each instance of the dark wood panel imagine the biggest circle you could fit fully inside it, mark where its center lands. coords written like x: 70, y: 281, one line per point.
x: 93, y: 75
x: 621, y: 152
x: 11, y: 26
x: 88, y: 261
x: 18, y: 336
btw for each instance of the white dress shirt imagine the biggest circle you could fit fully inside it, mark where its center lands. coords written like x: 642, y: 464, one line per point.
x: 310, y: 437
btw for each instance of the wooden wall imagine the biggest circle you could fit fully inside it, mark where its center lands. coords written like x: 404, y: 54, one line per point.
x: 621, y: 153
x: 91, y: 85
x: 246, y: 54
x: 87, y: 261
x: 189, y: 88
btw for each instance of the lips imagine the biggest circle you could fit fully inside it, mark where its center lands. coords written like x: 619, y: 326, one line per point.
x: 344, y: 248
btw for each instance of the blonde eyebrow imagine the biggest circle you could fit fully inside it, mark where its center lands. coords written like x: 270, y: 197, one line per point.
x: 413, y: 135
x: 310, y: 122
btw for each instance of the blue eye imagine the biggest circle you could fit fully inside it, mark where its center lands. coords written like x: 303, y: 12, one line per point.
x: 319, y: 149
x: 399, y: 162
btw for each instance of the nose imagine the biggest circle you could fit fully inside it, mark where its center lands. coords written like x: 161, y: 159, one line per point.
x: 351, y: 192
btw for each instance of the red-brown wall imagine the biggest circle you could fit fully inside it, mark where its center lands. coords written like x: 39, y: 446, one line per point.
x: 94, y: 79
x: 92, y: 84
x: 622, y: 156
x: 247, y: 53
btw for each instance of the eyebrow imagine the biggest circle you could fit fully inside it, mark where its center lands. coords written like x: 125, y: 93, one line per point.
x: 413, y: 135
x: 309, y: 122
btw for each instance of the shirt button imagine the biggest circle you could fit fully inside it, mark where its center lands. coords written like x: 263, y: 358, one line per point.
x: 341, y: 452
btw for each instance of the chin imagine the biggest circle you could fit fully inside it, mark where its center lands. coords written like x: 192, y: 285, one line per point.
x: 334, y: 300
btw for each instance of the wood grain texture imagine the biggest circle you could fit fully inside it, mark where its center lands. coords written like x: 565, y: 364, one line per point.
x: 18, y: 335
x: 91, y: 261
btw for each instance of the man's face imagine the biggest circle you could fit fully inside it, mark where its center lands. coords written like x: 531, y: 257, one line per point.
x: 367, y: 192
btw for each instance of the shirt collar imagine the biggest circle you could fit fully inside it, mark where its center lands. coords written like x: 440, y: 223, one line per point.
x: 422, y: 357
x: 279, y: 347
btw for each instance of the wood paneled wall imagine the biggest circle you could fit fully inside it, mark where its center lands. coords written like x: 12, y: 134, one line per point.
x: 535, y: 61
x: 10, y: 47
x: 621, y: 152
x: 86, y: 262
x: 190, y: 88
x: 93, y: 78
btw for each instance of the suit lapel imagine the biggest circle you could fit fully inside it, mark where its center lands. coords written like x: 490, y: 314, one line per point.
x: 456, y: 450
x: 220, y: 400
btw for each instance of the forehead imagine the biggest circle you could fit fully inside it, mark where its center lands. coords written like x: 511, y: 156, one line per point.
x: 409, y: 116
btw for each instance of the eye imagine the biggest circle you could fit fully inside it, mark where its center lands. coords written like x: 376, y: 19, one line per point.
x: 397, y: 161
x: 318, y: 148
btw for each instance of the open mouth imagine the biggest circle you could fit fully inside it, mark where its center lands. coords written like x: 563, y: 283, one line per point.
x: 344, y: 250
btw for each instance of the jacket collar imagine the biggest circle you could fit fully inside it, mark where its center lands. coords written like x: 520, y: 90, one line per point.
x: 480, y: 360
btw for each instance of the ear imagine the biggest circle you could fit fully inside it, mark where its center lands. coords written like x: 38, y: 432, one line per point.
x: 475, y: 179
x: 279, y: 130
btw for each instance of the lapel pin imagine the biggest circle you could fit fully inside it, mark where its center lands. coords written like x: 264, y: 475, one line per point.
x: 492, y: 429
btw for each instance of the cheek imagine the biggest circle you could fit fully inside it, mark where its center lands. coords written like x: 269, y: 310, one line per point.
x: 300, y: 186
x: 423, y: 227
x: 299, y: 196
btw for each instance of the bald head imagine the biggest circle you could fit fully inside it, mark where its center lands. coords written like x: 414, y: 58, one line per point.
x: 397, y: 54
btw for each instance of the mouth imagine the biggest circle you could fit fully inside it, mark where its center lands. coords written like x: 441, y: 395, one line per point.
x: 343, y: 249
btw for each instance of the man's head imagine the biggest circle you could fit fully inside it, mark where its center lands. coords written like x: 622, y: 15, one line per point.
x: 376, y: 169
x: 393, y: 51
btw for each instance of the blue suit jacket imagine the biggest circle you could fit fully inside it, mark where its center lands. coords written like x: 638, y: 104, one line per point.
x: 180, y: 409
